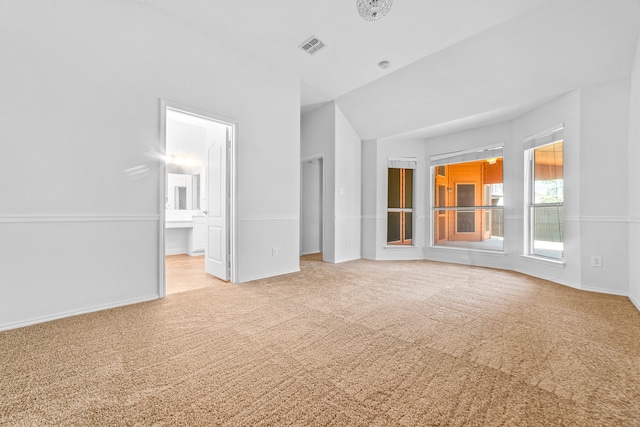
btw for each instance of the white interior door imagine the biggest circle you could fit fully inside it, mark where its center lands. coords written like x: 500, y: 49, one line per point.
x: 217, y: 248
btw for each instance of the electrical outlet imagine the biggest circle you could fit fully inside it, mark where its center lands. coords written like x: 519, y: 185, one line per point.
x: 596, y: 261
x: 274, y: 251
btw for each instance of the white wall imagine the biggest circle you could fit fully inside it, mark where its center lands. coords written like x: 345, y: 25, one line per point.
x: 604, y: 120
x: 348, y: 189
x: 564, y: 110
x: 633, y: 181
x: 595, y: 185
x: 176, y: 241
x: 375, y: 176
x: 595, y: 122
x: 80, y: 123
x: 317, y: 139
x: 370, y: 178
x: 326, y: 132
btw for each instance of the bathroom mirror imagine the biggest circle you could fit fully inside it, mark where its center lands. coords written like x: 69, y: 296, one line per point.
x: 183, y: 191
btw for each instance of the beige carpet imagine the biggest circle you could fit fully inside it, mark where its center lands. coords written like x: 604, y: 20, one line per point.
x: 361, y: 343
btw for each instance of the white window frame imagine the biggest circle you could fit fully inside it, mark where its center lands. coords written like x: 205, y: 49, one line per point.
x: 550, y: 136
x: 404, y: 163
x: 479, y: 153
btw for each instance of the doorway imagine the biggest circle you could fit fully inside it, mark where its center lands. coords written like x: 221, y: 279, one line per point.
x: 311, y: 206
x: 197, y: 221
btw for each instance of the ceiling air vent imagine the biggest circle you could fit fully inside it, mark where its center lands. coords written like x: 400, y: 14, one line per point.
x: 312, y: 45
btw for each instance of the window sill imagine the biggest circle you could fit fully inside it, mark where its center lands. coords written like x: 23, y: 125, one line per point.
x: 546, y: 261
x: 455, y: 249
x: 400, y: 247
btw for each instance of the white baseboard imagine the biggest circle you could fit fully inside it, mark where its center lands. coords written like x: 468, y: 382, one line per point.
x: 30, y: 322
x: 635, y: 302
x: 176, y: 251
x: 605, y: 291
x: 252, y: 278
x: 311, y: 252
x: 572, y: 285
x: 549, y: 278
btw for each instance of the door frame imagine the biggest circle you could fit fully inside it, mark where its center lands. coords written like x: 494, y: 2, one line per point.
x: 324, y: 228
x: 231, y: 188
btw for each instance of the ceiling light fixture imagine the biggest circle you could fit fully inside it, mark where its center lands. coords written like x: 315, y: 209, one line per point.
x: 373, y: 10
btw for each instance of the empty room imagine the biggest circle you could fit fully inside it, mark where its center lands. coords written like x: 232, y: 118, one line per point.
x: 320, y: 213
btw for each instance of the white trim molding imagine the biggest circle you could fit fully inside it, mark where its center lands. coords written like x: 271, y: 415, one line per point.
x: 401, y: 247
x: 54, y: 218
x: 260, y: 277
x: 608, y: 219
x: 270, y: 218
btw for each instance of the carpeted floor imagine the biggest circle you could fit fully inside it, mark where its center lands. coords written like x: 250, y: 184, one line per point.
x: 361, y: 343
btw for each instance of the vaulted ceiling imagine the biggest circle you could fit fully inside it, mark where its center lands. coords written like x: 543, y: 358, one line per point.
x: 273, y: 31
x: 454, y: 64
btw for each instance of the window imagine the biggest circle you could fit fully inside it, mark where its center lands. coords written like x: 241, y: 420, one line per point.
x: 468, y: 200
x: 545, y: 201
x: 400, y: 202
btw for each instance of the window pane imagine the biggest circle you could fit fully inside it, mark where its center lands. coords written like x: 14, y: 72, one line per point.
x: 393, y: 227
x: 487, y: 202
x: 441, y: 226
x: 400, y: 196
x: 442, y: 194
x: 393, y: 194
x: 467, y: 186
x: 491, y: 240
x: 408, y: 227
x: 497, y: 222
x: 466, y: 195
x: 548, y: 231
x: 465, y: 222
x: 399, y: 228
x: 408, y: 188
x: 546, y: 222
x: 548, y: 185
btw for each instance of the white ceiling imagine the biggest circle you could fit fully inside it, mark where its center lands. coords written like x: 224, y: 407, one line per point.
x: 454, y: 64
